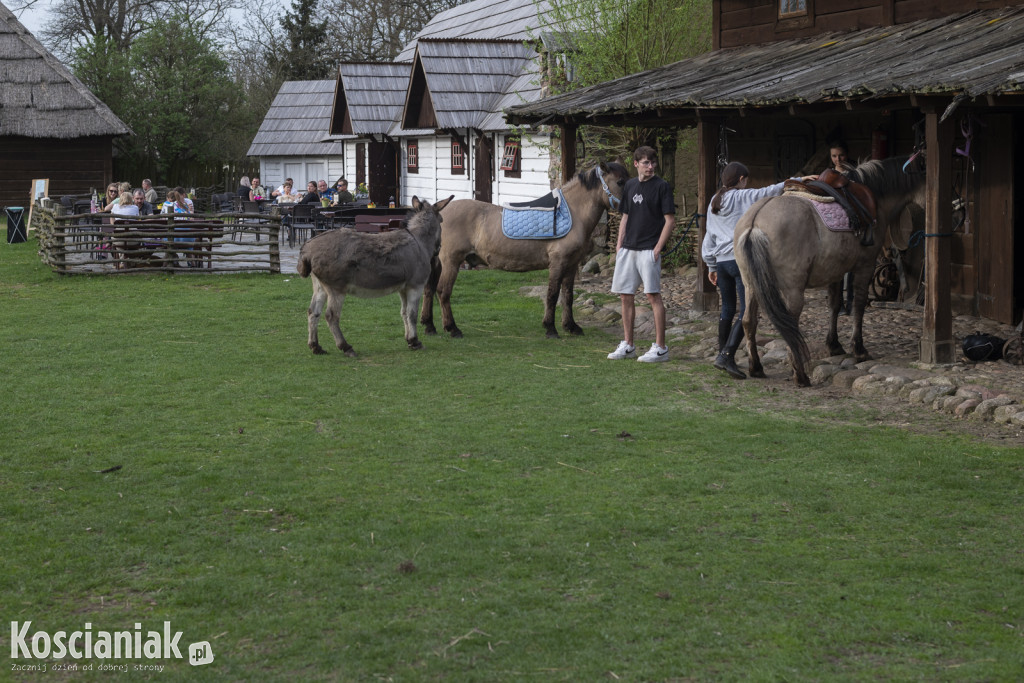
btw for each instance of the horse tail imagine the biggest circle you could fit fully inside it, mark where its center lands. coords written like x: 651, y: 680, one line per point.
x: 304, y: 267
x: 766, y: 287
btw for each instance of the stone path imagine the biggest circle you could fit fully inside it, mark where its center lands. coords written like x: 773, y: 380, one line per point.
x: 988, y: 391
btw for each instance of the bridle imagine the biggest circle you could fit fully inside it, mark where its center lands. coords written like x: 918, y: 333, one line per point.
x: 613, y: 201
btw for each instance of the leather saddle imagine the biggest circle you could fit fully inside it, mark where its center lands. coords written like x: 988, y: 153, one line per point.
x: 856, y: 199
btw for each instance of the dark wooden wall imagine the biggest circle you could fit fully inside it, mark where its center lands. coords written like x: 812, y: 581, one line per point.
x: 754, y: 22
x: 72, y: 166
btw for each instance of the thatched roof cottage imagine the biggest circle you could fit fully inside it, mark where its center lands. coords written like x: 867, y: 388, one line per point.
x: 51, y: 125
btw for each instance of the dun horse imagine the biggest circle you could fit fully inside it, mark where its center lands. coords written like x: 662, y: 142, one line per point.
x: 472, y: 232
x: 345, y: 262
x: 783, y: 247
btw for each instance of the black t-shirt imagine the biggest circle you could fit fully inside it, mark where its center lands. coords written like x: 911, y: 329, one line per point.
x: 644, y: 206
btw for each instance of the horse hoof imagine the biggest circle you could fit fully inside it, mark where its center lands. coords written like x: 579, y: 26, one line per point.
x: 415, y: 345
x: 758, y: 374
x: 350, y: 353
x: 455, y: 332
x: 575, y: 330
x: 551, y: 334
x: 317, y: 350
x: 429, y: 329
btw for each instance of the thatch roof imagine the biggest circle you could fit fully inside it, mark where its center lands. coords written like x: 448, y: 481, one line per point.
x: 969, y: 55
x: 298, y: 122
x: 39, y: 97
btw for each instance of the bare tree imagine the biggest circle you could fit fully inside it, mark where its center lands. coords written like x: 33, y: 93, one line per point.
x: 78, y: 23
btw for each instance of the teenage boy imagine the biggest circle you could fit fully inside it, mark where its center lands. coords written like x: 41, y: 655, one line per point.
x: 648, y: 219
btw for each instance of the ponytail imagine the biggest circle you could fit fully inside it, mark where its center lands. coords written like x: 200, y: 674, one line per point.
x: 731, y: 176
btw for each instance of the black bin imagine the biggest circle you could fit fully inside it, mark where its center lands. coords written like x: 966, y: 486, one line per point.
x: 15, y: 225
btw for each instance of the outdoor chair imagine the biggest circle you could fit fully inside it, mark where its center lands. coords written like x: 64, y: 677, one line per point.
x: 301, y: 220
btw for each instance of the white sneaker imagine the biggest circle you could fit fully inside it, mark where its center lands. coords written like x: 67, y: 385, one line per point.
x: 624, y: 350
x: 657, y: 354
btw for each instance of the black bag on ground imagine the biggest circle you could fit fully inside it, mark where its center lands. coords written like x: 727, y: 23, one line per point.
x: 980, y: 346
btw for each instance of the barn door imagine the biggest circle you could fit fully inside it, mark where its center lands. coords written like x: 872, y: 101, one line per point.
x: 483, y: 167
x: 995, y: 213
x: 383, y: 172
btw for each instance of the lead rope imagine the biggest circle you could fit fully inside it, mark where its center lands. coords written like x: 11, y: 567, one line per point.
x: 689, y: 224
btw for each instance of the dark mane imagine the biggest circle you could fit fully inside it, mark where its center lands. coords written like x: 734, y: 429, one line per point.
x: 589, y: 180
x: 886, y: 176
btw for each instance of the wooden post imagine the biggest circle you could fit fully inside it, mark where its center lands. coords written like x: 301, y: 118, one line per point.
x: 274, y: 235
x: 568, y: 149
x: 705, y: 298
x: 937, y: 344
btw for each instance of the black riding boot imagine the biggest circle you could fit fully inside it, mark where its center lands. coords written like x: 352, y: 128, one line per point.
x: 724, y: 326
x: 727, y: 358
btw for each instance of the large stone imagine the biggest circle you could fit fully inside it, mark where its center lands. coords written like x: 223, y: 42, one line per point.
x: 986, y: 408
x: 1002, y: 414
x: 846, y: 378
x: 866, y: 384
x: 823, y: 373
x: 966, y: 408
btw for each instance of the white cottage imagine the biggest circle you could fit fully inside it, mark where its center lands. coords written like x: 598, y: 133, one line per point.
x: 430, y: 123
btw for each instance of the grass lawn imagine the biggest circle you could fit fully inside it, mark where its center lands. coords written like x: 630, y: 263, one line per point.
x: 501, y: 507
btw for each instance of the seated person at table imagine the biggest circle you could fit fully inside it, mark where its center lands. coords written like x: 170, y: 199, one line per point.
x: 125, y: 206
x: 286, y: 196
x: 257, y: 191
x: 244, y: 188
x: 139, y: 199
x: 342, y: 194
x: 188, y: 201
x: 311, y: 196
x: 324, y: 191
x: 111, y: 199
x: 279, y: 191
x: 147, y: 187
x: 176, y: 203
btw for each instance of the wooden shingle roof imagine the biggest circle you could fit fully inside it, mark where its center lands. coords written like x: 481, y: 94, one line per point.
x: 40, y: 97
x: 371, y: 96
x: 482, y: 20
x: 970, y: 55
x: 298, y: 121
x: 466, y: 79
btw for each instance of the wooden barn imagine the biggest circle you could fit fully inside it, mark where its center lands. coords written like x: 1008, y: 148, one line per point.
x: 789, y: 77
x: 51, y: 125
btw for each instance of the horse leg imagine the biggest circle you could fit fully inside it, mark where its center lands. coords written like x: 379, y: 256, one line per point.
x: 835, y: 302
x: 335, y: 300
x: 316, y: 307
x: 551, y: 300
x: 754, y: 367
x: 568, y: 287
x: 861, y: 282
x: 410, y: 303
x: 445, y: 284
x: 427, y: 314
x: 795, y: 303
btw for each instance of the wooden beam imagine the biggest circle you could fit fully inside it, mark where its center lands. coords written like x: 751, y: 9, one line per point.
x: 568, y: 150
x: 705, y: 298
x: 937, y: 345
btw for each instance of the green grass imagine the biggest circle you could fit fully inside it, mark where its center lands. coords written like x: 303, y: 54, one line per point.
x: 501, y: 507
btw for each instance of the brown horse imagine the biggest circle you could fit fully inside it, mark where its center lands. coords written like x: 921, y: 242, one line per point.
x: 345, y: 262
x: 783, y: 247
x: 472, y: 232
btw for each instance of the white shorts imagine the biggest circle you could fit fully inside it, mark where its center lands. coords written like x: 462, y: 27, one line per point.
x: 633, y: 267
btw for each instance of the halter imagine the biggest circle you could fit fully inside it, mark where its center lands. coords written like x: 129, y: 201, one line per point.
x: 613, y: 201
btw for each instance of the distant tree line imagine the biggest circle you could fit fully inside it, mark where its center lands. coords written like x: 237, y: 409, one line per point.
x: 194, y: 78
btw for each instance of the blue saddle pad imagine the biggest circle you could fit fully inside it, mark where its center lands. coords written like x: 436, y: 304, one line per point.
x: 537, y: 224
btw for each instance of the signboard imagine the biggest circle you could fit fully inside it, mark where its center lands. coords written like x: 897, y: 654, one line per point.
x: 40, y: 189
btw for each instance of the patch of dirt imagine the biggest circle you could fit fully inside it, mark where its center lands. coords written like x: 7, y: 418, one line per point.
x: 891, y: 334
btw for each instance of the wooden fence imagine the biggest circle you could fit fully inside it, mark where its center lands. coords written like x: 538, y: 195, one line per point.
x: 203, y: 243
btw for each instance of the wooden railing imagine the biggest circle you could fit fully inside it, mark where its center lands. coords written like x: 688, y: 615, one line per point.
x: 201, y: 243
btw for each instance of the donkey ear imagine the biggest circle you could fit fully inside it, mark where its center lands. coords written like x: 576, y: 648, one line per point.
x: 443, y: 203
x: 417, y: 205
